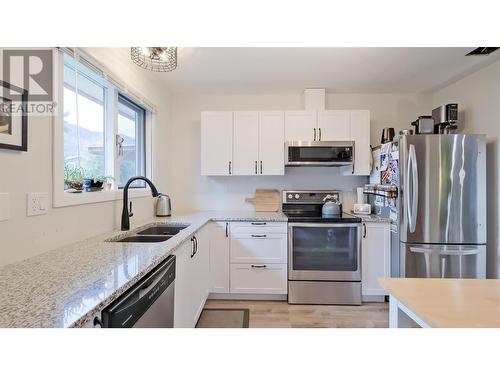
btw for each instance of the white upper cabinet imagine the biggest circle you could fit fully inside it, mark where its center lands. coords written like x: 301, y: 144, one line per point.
x: 242, y: 143
x: 360, y: 134
x: 300, y: 126
x: 250, y: 143
x: 271, y: 143
x: 333, y: 126
x: 246, y: 143
x: 216, y: 143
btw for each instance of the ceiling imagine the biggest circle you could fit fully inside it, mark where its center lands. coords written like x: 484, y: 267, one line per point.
x: 339, y: 70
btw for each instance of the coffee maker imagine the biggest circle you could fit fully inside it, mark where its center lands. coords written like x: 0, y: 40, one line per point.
x: 445, y: 118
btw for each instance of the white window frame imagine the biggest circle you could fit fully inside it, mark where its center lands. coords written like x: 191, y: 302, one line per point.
x: 117, y: 174
x: 62, y: 198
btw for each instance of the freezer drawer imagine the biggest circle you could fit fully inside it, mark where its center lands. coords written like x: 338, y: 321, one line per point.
x: 444, y: 261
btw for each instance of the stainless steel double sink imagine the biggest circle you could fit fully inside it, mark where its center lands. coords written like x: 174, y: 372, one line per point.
x: 155, y: 233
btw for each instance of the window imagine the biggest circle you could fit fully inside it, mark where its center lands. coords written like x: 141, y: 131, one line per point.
x: 84, y: 119
x: 131, y: 141
x: 104, y: 130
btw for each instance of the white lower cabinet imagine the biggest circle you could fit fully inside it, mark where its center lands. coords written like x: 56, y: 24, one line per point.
x: 191, y: 279
x: 248, y: 257
x: 258, y: 247
x: 201, y: 272
x: 219, y: 257
x: 258, y: 257
x: 183, y: 314
x: 375, y: 258
x: 259, y: 278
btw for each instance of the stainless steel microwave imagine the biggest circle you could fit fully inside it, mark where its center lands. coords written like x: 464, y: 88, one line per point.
x: 319, y: 153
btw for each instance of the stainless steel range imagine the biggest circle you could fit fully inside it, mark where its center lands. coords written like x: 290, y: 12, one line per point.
x: 324, y: 265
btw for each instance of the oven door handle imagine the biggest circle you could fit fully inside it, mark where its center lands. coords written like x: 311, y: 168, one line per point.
x: 325, y: 225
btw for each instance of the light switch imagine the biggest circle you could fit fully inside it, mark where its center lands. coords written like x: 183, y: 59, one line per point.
x: 4, y: 206
x: 37, y: 204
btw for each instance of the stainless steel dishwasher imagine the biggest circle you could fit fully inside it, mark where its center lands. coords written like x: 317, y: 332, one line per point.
x: 148, y: 304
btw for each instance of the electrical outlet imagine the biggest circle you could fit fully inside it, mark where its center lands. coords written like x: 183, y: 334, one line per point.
x: 37, y: 204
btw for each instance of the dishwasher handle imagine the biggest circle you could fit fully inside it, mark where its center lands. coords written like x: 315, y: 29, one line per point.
x: 128, y: 308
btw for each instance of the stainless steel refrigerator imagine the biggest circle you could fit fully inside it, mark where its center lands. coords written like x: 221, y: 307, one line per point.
x: 441, y: 206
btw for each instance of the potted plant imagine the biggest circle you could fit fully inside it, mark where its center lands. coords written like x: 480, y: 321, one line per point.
x: 94, y: 183
x: 73, y: 178
x: 106, y: 181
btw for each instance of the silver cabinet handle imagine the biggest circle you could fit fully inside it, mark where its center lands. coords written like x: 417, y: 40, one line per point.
x: 256, y: 166
x: 314, y: 130
x: 261, y: 167
x: 258, y: 266
x: 259, y: 235
x: 319, y: 130
x: 229, y: 167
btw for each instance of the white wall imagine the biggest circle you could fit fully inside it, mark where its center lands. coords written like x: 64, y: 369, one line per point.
x: 190, y: 191
x: 478, y: 98
x: 22, y: 172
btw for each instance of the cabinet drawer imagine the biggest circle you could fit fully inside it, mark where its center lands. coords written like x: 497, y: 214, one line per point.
x: 258, y: 227
x: 259, y: 278
x: 264, y: 248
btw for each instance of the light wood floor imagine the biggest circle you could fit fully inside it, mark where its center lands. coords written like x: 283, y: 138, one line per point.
x: 279, y: 314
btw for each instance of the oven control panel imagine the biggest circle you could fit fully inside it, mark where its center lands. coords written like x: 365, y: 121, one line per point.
x: 309, y: 197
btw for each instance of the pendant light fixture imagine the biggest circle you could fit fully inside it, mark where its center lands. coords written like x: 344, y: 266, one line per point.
x: 157, y: 59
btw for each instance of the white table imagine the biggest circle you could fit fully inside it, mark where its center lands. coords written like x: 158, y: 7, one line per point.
x: 439, y: 303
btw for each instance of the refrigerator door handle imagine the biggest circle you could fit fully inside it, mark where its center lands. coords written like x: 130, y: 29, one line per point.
x: 412, y: 165
x: 407, y: 192
x: 414, y: 170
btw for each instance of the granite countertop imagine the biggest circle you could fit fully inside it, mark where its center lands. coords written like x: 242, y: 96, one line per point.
x: 372, y: 218
x: 68, y: 286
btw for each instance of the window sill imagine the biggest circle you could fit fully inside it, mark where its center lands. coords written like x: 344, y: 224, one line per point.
x: 64, y: 199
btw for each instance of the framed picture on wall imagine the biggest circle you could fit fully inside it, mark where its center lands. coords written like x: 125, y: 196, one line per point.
x: 13, y: 118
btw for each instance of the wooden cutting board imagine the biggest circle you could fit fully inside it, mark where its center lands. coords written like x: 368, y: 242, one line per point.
x: 266, y: 200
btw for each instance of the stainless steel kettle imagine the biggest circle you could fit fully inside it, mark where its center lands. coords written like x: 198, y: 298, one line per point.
x: 331, y: 206
x: 163, y: 207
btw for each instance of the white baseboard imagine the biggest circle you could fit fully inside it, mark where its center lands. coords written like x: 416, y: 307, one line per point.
x: 250, y: 297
